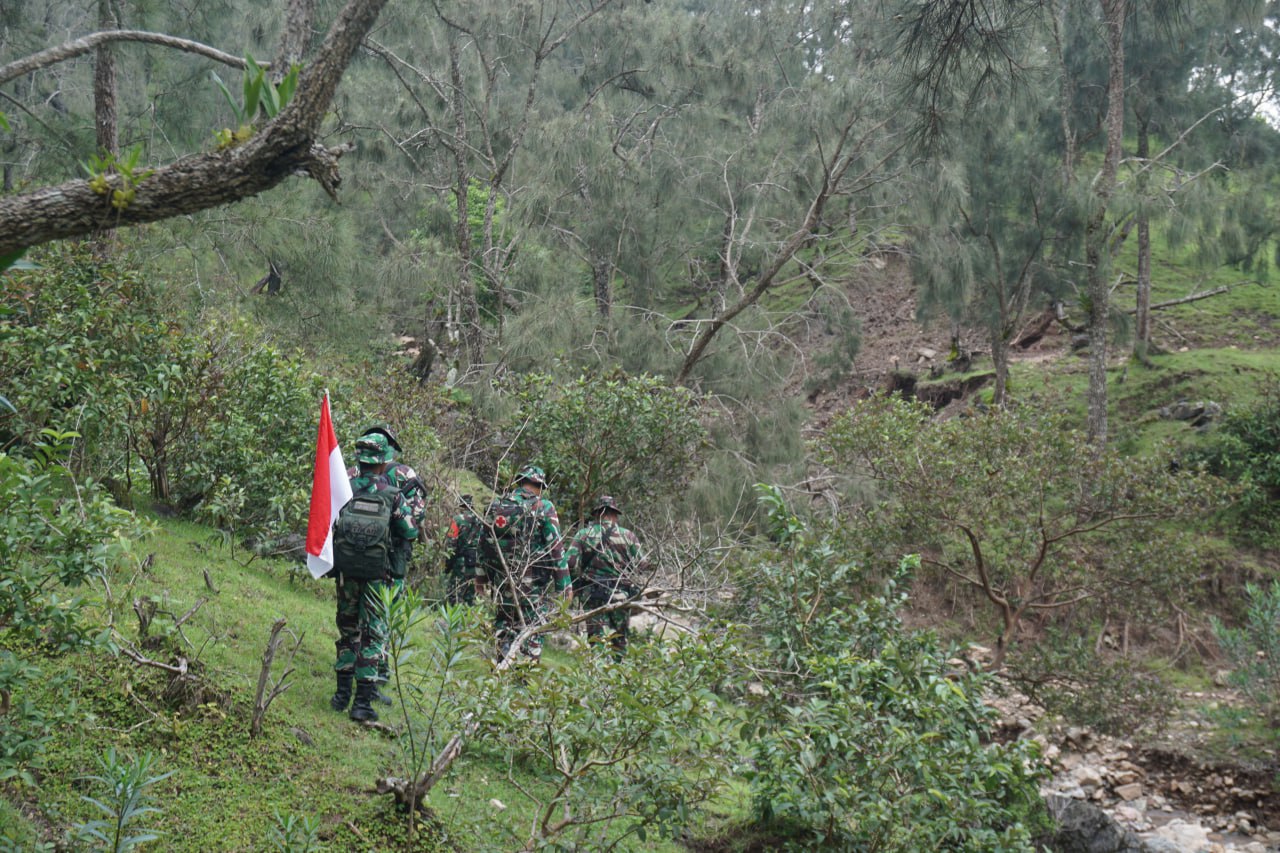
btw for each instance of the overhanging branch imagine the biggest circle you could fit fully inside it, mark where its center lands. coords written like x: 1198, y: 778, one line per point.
x: 284, y: 146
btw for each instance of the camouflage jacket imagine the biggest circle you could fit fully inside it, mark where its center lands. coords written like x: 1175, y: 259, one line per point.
x: 463, y: 538
x: 407, y: 481
x: 546, y: 542
x: 605, y: 550
x: 403, y: 527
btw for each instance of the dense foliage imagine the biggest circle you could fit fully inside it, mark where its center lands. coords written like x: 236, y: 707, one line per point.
x: 1018, y: 507
x: 634, y: 437
x: 1245, y: 449
x: 849, y: 692
x: 56, y: 535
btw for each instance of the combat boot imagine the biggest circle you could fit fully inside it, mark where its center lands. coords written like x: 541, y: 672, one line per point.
x: 342, y: 696
x: 362, y: 709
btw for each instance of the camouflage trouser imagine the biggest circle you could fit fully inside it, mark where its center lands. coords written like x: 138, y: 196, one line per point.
x: 460, y: 583
x: 517, y: 608
x: 362, y: 628
x: 614, y: 625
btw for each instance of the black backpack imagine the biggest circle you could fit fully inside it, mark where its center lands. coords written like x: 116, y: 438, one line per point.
x: 507, y: 537
x: 362, y: 536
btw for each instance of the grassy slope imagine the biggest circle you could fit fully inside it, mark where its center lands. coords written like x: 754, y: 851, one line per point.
x: 227, y: 787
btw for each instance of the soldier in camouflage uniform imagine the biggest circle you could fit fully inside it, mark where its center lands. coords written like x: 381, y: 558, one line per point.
x: 410, y: 485
x: 362, y: 626
x: 521, y: 553
x: 461, y: 567
x: 605, y: 562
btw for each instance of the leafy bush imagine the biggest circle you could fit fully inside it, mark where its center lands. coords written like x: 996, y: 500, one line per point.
x: 1254, y: 649
x: 240, y: 465
x: 82, y: 344
x: 1016, y: 506
x: 864, y: 740
x: 630, y: 747
x: 55, y: 534
x: 1245, y: 449
x: 635, y: 437
x: 220, y: 420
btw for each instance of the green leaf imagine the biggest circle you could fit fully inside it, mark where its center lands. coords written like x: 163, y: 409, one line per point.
x: 235, y: 108
x: 254, y: 77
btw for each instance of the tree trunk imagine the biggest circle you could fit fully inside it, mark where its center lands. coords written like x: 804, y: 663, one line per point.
x: 1142, y: 319
x: 602, y: 286
x: 1097, y: 231
x: 1000, y: 357
x: 468, y: 289
x: 295, y: 38
x: 106, y: 122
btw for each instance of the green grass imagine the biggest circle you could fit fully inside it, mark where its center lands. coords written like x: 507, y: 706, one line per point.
x: 227, y: 787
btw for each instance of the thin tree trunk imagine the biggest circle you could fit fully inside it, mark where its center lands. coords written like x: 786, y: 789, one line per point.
x: 602, y: 286
x: 1142, y: 324
x: 468, y: 288
x: 1097, y: 231
x: 295, y: 37
x: 1000, y: 357
x: 106, y: 122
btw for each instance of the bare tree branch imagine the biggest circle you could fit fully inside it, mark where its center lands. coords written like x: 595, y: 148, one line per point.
x: 91, y: 42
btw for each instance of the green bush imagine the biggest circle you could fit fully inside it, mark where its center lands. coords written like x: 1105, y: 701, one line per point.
x: 635, y: 437
x: 864, y: 740
x: 1245, y: 449
x: 55, y: 535
x: 82, y: 344
x: 1254, y: 649
x: 1015, y: 507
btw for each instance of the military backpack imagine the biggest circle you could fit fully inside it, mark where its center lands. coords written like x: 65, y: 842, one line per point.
x: 507, y: 538
x: 362, y: 536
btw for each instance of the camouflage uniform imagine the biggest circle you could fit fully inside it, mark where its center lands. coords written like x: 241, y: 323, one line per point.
x: 409, y: 484
x: 362, y: 626
x: 461, y: 567
x: 604, y: 558
x: 524, y: 575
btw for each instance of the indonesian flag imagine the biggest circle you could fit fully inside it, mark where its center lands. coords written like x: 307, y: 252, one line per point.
x: 330, y: 491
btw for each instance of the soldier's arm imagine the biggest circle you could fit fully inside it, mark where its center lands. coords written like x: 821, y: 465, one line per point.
x: 402, y: 520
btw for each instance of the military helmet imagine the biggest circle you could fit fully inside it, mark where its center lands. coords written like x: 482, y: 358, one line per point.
x: 605, y: 502
x: 373, y: 449
x: 464, y: 501
x: 532, y: 474
x: 385, y: 431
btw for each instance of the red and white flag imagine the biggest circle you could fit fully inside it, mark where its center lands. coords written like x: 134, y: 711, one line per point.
x: 330, y: 491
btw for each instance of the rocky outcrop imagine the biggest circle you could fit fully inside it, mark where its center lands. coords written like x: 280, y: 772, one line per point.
x: 1110, y: 797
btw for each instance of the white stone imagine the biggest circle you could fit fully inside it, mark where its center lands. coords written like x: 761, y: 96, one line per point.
x: 1191, y: 837
x: 495, y: 803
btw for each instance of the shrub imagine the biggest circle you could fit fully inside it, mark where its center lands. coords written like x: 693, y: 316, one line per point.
x: 55, y: 535
x: 635, y: 437
x: 1016, y: 506
x: 1254, y: 649
x: 1065, y: 675
x: 1245, y: 449
x: 122, y: 799
x: 864, y: 740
